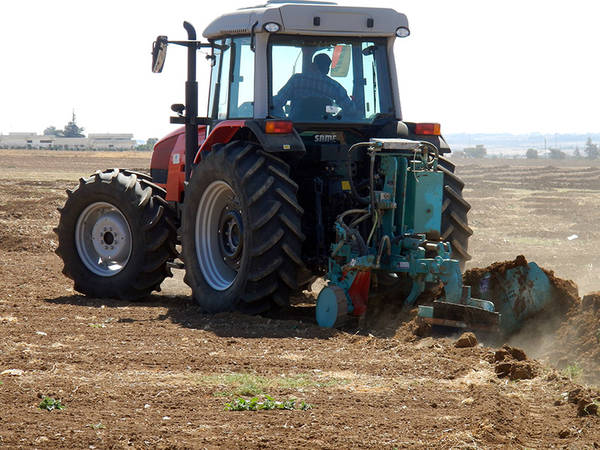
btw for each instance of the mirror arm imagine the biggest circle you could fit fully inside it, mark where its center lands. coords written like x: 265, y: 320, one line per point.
x: 253, y: 36
x: 190, y: 119
x: 191, y: 102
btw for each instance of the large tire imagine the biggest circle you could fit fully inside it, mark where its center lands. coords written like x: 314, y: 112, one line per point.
x: 241, y: 230
x: 116, y: 234
x: 455, y: 225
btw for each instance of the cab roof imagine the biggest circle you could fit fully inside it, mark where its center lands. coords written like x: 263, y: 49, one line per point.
x: 309, y: 18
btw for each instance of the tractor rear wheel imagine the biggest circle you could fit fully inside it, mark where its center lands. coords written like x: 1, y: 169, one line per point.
x: 241, y: 237
x: 455, y: 225
x: 116, y: 235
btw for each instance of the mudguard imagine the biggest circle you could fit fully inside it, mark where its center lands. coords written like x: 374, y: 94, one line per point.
x: 167, y: 167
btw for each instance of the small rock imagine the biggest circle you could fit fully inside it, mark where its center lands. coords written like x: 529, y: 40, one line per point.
x: 467, y: 339
x: 586, y: 407
x: 41, y: 333
x: 563, y: 434
x: 558, y: 402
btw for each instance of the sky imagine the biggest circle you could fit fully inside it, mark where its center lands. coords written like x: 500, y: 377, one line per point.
x: 515, y: 66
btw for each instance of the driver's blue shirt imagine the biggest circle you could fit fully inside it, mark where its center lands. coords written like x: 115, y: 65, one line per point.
x: 311, y: 84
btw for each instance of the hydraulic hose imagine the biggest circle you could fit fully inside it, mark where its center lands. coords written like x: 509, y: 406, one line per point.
x: 385, y: 242
x: 357, y: 197
x: 352, y: 232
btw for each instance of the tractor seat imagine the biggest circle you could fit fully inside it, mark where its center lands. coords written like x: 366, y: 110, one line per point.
x: 309, y: 109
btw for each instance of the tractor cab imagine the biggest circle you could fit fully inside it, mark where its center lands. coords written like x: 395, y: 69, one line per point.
x: 310, y: 79
x: 308, y: 62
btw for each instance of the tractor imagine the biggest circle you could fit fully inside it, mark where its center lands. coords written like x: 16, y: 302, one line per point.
x: 303, y: 167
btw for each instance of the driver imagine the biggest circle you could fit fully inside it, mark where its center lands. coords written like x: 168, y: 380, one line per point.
x: 313, y: 83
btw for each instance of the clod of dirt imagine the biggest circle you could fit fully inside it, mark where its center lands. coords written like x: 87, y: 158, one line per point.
x: 563, y: 434
x: 503, y: 369
x: 521, y: 370
x: 586, y: 407
x: 516, y: 370
x: 507, y: 352
x: 467, y: 339
x: 591, y: 302
x: 574, y: 395
x: 512, y: 362
x: 587, y: 401
x: 515, y: 352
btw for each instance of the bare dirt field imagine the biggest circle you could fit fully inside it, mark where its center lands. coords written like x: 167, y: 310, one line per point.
x: 157, y: 373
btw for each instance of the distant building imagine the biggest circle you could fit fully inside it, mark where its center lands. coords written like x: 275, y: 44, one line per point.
x: 98, y: 141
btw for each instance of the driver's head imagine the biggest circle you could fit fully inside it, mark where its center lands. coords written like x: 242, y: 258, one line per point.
x: 322, y: 63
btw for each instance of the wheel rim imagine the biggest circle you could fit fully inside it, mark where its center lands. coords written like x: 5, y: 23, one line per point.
x: 103, y: 239
x: 219, y: 235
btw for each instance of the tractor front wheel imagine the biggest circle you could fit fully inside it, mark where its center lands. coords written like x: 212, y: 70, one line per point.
x: 116, y: 235
x: 241, y: 237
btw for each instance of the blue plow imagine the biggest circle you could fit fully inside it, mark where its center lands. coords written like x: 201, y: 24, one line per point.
x: 396, y: 239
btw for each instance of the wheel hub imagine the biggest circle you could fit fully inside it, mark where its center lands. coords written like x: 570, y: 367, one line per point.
x: 103, y: 239
x: 231, y: 237
x: 109, y: 236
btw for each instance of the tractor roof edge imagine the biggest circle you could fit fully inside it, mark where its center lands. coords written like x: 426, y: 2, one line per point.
x: 309, y: 18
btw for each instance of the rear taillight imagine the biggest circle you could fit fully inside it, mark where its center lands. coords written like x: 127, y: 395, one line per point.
x: 278, y: 127
x: 431, y: 129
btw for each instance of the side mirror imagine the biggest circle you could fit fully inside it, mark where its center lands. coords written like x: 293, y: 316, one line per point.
x: 178, y: 108
x: 159, y: 53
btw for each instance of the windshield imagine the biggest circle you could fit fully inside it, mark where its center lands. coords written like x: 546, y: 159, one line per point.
x: 323, y: 79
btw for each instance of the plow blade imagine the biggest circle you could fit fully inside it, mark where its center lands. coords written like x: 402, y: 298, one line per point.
x: 457, y: 315
x: 518, y: 294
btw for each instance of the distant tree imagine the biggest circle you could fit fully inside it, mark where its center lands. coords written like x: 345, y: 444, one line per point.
x: 557, y: 154
x: 591, y: 149
x: 479, y: 151
x: 72, y: 129
x: 148, y: 146
x: 577, y: 153
x: 532, y: 153
x: 52, y: 131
